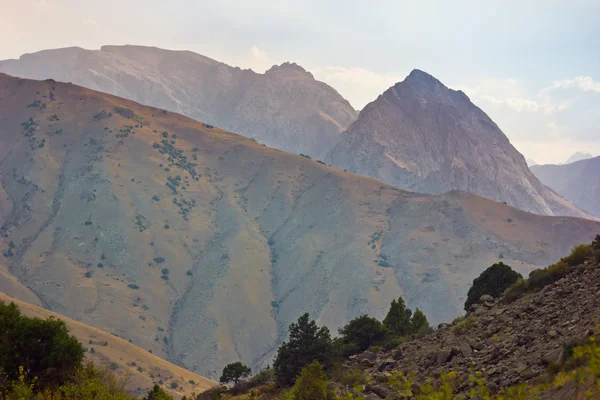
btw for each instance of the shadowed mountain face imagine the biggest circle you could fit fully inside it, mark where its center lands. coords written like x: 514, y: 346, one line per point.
x: 285, y: 108
x: 421, y: 136
x: 578, y: 181
x: 203, y: 246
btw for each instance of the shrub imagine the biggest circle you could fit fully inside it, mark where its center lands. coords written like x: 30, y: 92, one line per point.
x: 157, y: 393
x: 578, y: 255
x: 493, y: 281
x: 516, y: 290
x: 159, y: 260
x: 312, y: 384
x: 364, y: 331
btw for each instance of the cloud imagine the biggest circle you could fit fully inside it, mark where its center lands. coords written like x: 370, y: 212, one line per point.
x: 561, y: 118
x: 358, y: 85
x: 585, y: 83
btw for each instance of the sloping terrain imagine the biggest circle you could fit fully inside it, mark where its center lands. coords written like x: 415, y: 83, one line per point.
x: 138, y: 367
x: 507, y: 343
x: 421, y: 136
x: 285, y: 107
x: 203, y: 246
x: 578, y: 182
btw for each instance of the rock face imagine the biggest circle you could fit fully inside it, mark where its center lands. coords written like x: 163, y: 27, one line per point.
x: 421, y: 136
x: 203, y: 245
x: 285, y: 108
x: 508, y: 343
x: 578, y: 182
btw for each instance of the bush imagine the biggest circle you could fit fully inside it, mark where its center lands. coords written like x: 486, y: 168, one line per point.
x: 364, y: 331
x: 493, y: 281
x: 312, y: 384
x: 157, y: 393
x: 307, y: 343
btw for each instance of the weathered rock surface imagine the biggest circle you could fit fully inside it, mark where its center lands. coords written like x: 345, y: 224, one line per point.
x: 421, y: 136
x: 508, y: 343
x: 284, y: 108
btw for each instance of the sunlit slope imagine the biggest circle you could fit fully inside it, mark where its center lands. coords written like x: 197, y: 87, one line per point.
x: 138, y: 367
x: 202, y: 245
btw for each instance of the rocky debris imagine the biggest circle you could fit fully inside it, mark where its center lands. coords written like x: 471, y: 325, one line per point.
x: 507, y: 343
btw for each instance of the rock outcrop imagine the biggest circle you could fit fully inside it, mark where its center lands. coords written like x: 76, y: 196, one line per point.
x: 421, y: 136
x: 507, y: 343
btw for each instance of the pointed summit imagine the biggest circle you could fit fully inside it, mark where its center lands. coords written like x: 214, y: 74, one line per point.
x: 425, y: 137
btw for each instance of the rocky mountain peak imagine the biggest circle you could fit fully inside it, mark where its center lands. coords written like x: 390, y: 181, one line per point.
x: 423, y: 136
x: 288, y: 67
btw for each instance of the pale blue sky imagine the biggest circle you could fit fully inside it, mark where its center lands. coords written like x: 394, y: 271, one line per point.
x: 533, y: 66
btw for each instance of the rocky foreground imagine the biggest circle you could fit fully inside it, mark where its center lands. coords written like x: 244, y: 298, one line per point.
x: 509, y: 344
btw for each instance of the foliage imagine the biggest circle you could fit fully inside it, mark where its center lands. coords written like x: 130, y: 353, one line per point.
x: 42, y: 347
x: 234, y: 372
x: 397, y: 319
x: 364, y: 331
x: 419, y: 326
x: 158, y: 393
x: 493, y: 281
x: 312, y: 384
x: 307, y: 343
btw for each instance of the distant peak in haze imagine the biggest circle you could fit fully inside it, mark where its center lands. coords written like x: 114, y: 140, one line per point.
x: 288, y: 66
x: 578, y: 156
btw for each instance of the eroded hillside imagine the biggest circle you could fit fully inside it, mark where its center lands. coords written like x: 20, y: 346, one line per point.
x: 285, y: 107
x: 134, y: 366
x: 202, y: 245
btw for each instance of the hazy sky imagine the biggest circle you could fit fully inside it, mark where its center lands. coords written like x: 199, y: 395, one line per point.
x: 533, y: 66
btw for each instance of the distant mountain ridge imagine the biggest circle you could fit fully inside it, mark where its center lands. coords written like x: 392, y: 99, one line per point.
x: 284, y: 108
x: 421, y: 136
x: 577, y: 181
x: 578, y: 156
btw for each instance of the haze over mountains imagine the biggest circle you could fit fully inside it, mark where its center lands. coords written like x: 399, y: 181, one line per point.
x: 577, y: 181
x: 202, y: 245
x: 578, y: 156
x: 419, y: 135
x: 285, y: 107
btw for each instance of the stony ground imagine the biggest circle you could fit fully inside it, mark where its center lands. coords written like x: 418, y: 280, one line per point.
x: 508, y: 343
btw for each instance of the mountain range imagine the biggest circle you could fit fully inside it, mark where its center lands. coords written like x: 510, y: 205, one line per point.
x: 285, y: 107
x: 577, y: 181
x: 418, y: 135
x: 203, y: 246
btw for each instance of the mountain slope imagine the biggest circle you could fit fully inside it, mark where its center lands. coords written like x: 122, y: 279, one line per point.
x: 285, y: 108
x: 203, y: 246
x: 421, y: 136
x: 578, y: 182
x: 133, y: 363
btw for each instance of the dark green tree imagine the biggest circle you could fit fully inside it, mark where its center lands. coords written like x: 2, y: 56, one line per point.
x: 307, y: 343
x: 397, y: 319
x: 43, y: 347
x: 234, y: 372
x: 419, y: 325
x: 364, y: 331
x: 493, y: 281
x: 158, y: 393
